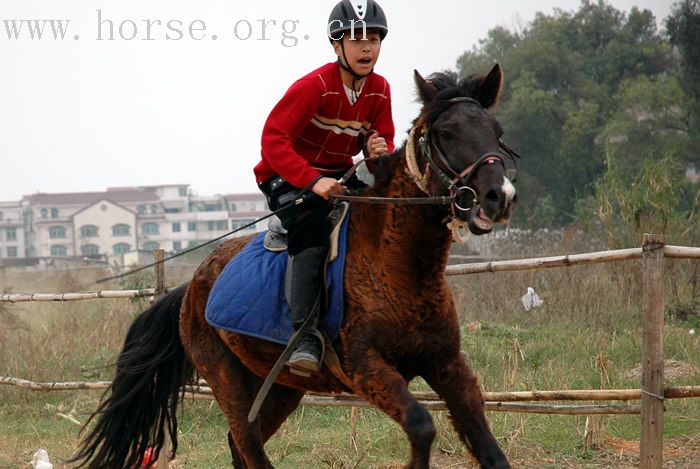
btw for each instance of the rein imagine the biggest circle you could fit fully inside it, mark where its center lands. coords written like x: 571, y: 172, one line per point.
x: 438, y: 200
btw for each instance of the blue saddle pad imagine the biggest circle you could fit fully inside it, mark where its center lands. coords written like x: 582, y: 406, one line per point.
x: 248, y: 296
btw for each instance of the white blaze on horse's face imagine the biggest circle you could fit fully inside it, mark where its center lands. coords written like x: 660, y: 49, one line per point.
x: 509, y: 190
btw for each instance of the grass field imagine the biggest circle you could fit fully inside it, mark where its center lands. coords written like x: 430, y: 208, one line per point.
x: 587, y: 335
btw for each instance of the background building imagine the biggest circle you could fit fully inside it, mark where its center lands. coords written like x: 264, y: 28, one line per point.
x: 11, y: 231
x: 102, y: 225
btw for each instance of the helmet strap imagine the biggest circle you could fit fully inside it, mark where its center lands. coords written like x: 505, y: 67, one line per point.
x: 355, y: 76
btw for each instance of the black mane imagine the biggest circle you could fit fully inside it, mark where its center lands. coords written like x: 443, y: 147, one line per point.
x: 449, y: 86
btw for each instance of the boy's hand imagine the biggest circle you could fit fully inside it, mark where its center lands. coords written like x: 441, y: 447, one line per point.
x: 326, y: 187
x: 376, y: 145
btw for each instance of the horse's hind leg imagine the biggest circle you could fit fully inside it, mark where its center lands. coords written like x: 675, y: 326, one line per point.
x: 281, y: 401
x: 235, y: 394
x: 454, y: 382
x: 382, y: 386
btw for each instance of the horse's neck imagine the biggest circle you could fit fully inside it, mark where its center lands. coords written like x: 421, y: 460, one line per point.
x: 413, y: 235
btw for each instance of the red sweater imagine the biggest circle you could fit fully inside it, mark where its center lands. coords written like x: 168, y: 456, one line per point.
x: 314, y: 129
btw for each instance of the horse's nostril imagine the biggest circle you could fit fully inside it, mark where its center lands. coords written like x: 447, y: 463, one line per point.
x: 515, y: 199
x: 492, y: 196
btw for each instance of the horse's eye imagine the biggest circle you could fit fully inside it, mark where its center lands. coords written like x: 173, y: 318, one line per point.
x: 445, y: 135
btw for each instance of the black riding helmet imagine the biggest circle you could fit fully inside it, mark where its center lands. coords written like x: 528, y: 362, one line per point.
x: 355, y: 14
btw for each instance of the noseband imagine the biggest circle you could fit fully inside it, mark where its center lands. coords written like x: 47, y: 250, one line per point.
x: 459, y: 182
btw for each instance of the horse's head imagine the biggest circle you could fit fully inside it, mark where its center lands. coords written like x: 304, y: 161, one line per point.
x: 459, y: 144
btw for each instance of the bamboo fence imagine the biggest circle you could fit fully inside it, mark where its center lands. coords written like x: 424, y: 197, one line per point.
x: 651, y: 394
x: 518, y: 401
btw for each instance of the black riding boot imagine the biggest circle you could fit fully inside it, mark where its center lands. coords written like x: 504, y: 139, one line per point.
x: 304, y: 295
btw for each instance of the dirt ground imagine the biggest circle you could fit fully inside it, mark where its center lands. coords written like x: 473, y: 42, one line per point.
x: 618, y: 453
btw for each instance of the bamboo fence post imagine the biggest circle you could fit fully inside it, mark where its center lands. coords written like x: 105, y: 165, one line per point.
x: 651, y: 446
x: 158, y: 258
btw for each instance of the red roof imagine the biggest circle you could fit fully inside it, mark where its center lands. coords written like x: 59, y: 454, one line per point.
x: 81, y: 198
x: 249, y: 196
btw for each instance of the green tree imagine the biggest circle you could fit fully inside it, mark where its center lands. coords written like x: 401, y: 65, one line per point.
x: 650, y: 118
x: 683, y: 26
x: 566, y: 77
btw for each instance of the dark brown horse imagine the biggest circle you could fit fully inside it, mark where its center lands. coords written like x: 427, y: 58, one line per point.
x: 400, y: 319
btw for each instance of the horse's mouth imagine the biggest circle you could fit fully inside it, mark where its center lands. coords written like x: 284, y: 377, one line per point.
x: 479, y: 222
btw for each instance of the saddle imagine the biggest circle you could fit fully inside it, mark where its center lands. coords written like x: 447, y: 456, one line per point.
x: 249, y: 295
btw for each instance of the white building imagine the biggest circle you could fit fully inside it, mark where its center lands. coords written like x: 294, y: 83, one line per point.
x: 121, y: 220
x: 11, y: 230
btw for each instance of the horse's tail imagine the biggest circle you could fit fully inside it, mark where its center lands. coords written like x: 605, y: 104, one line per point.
x: 151, y: 369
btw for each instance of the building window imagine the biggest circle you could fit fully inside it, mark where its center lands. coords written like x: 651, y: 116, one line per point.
x: 150, y: 246
x: 238, y: 224
x: 176, y: 227
x: 44, y: 213
x: 191, y: 226
x: 177, y: 245
x: 212, y: 207
x: 90, y: 250
x: 56, y: 232
x: 182, y: 191
x: 141, y: 209
x: 88, y: 231
x: 121, y: 230
x: 154, y: 209
x: 217, y: 225
x: 59, y: 251
x: 11, y: 234
x: 232, y: 206
x: 12, y: 252
x: 252, y: 207
x: 54, y: 213
x: 149, y: 228
x: 121, y: 248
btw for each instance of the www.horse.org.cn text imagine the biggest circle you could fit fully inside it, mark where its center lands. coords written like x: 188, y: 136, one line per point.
x: 111, y: 28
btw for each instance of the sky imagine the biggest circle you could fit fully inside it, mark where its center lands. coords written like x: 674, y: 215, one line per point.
x: 140, y: 93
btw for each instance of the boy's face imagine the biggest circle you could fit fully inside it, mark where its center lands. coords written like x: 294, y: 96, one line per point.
x: 362, y: 53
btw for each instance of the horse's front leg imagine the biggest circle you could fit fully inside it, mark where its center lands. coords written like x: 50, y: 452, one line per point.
x: 454, y: 382
x: 382, y: 386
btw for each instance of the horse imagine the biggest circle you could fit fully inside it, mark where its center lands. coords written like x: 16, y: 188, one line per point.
x: 400, y: 317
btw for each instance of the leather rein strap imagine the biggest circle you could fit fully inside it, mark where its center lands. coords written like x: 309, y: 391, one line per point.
x: 441, y: 200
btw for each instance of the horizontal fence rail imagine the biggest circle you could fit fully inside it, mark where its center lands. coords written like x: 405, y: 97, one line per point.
x: 675, y: 252
x: 25, y: 297
x: 518, y: 401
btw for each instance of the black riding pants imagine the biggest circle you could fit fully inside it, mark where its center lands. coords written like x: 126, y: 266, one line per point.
x: 306, y: 223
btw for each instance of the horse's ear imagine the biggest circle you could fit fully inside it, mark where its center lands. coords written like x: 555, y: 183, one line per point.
x: 489, y: 90
x: 426, y: 90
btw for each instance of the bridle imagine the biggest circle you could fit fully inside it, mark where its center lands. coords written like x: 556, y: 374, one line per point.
x: 455, y: 182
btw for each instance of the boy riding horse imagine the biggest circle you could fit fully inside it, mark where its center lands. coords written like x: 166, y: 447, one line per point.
x: 308, y: 141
